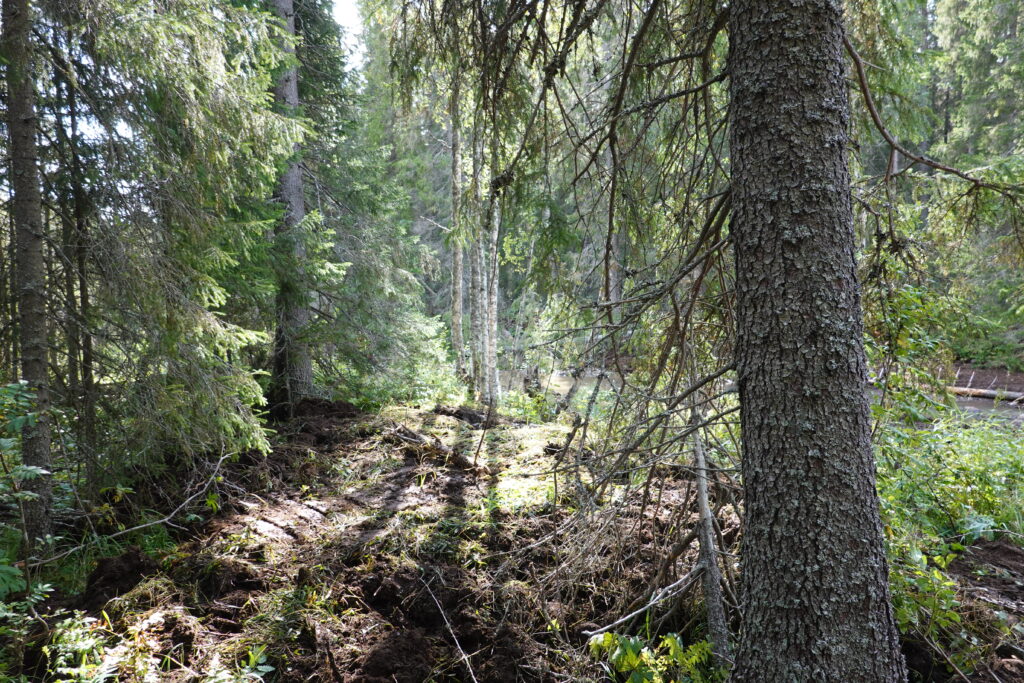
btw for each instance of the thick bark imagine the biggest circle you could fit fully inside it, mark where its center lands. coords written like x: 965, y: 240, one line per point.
x: 26, y: 212
x: 817, y: 604
x: 457, y: 344
x: 293, y: 367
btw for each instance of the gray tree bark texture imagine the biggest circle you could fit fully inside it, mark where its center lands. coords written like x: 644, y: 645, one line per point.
x: 293, y: 367
x: 457, y: 268
x: 816, y: 596
x: 478, y: 275
x: 476, y: 323
x: 27, y: 214
x: 493, y: 393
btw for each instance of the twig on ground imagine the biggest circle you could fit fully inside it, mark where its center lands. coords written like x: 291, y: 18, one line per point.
x: 164, y: 520
x: 448, y: 624
x: 665, y: 593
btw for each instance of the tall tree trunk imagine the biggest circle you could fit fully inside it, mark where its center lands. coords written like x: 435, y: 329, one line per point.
x: 8, y: 309
x: 475, y: 314
x: 26, y: 211
x: 81, y: 371
x: 491, y: 232
x: 817, y: 605
x: 457, y: 276
x: 293, y: 368
x: 456, y: 238
x: 478, y: 275
x: 491, y: 351
x: 483, y: 314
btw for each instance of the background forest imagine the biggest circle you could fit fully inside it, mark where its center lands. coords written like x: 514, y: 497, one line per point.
x: 300, y: 341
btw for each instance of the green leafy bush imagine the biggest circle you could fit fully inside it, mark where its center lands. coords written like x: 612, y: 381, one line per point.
x: 942, y: 487
x: 533, y: 409
x: 633, y: 660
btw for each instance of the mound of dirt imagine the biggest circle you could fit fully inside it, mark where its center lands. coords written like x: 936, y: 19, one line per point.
x: 404, y: 656
x: 114, y: 576
x: 436, y: 615
x: 992, y: 572
x: 281, y: 411
x: 321, y: 407
x: 477, y: 419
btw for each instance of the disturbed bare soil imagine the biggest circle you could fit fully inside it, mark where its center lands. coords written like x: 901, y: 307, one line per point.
x: 372, y: 557
x: 413, y: 546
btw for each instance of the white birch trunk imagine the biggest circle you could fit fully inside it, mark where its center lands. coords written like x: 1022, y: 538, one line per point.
x: 457, y: 343
x: 493, y: 394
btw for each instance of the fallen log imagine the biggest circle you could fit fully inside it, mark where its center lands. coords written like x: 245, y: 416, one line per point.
x: 1015, y: 397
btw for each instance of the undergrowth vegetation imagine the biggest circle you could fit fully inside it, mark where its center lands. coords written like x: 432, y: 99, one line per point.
x: 431, y: 371
x: 945, y: 486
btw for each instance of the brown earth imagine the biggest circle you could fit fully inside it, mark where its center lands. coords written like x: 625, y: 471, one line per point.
x: 967, y: 375
x: 367, y: 557
x: 991, y: 575
x: 364, y: 561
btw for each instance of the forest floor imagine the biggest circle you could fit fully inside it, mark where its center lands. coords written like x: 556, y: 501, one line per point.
x: 405, y: 547
x: 374, y: 559
x: 974, y: 377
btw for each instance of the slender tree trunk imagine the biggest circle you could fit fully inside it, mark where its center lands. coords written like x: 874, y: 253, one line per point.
x: 618, y: 277
x: 475, y: 314
x: 816, y: 594
x: 8, y: 310
x: 615, y: 240
x: 478, y: 275
x: 457, y: 304
x: 456, y: 238
x: 66, y: 200
x: 484, y: 322
x: 718, y: 627
x: 81, y: 371
x: 493, y: 383
x: 293, y: 367
x: 493, y: 229
x: 90, y: 398
x: 26, y: 210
